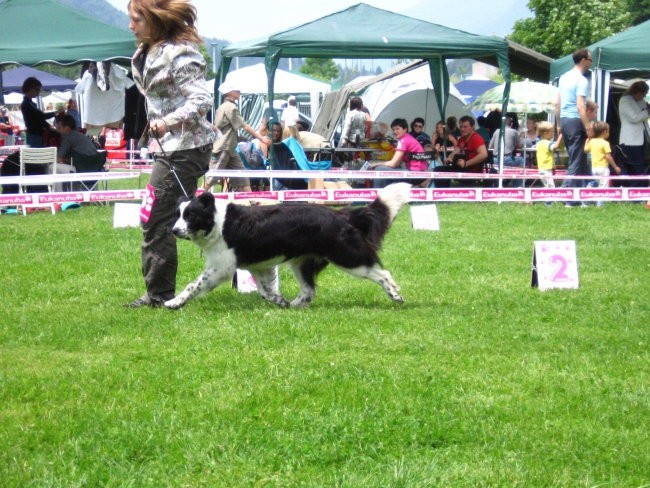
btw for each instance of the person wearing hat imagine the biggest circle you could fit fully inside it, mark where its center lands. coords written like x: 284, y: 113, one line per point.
x: 229, y: 120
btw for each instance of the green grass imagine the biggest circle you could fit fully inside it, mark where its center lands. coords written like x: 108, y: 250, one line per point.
x: 477, y: 380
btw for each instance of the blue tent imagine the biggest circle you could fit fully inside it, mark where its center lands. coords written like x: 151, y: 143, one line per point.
x: 470, y: 89
x: 12, y: 80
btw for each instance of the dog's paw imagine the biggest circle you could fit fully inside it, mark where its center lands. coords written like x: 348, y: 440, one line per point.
x: 173, y: 304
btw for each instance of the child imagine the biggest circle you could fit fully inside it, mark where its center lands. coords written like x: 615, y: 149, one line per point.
x: 544, y: 153
x: 601, y: 154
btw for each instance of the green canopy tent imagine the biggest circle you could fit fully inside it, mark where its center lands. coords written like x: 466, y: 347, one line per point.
x: 625, y: 55
x: 45, y: 31
x: 366, y: 32
x: 40, y: 31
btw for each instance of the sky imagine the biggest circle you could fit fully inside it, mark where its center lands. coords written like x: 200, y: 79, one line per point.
x: 259, y: 18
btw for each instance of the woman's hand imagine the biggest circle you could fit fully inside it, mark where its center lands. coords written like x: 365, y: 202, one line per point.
x: 158, y: 127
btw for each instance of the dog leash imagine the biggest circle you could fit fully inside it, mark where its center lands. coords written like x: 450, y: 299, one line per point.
x: 166, y: 160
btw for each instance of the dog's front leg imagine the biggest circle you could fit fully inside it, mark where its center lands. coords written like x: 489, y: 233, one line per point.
x: 206, y: 281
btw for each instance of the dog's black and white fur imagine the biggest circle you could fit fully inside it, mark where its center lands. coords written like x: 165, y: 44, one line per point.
x: 307, y: 237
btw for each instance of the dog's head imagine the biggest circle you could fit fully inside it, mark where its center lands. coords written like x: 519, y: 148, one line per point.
x: 195, y: 217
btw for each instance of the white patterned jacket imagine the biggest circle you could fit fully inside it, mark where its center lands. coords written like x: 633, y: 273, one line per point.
x: 172, y: 79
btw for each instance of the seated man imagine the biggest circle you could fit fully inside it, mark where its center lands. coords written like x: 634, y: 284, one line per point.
x: 406, y: 145
x: 73, y: 141
x: 467, y: 157
x: 511, y: 145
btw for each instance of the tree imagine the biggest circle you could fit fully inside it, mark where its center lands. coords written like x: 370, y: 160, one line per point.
x: 560, y: 27
x: 322, y: 69
x: 639, y: 9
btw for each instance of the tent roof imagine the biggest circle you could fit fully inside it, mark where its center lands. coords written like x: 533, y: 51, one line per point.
x: 625, y: 53
x: 36, y: 31
x: 363, y: 31
x: 252, y: 79
x: 12, y: 80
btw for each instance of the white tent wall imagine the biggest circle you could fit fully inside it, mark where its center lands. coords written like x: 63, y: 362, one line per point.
x: 253, y: 80
x: 409, y: 95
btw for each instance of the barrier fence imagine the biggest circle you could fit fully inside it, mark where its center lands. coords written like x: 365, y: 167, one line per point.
x: 343, y: 195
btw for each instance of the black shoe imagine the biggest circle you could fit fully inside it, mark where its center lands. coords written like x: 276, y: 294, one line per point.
x: 146, y: 301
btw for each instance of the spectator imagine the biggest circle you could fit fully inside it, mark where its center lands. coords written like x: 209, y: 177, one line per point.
x: 406, y: 145
x: 290, y: 115
x: 229, y: 120
x: 633, y: 110
x: 417, y: 131
x: 468, y: 156
x: 544, y: 150
x: 35, y: 119
x: 511, y: 145
x: 572, y: 113
x: 73, y: 109
x: 601, y: 154
x: 72, y: 140
x: 482, y: 129
x: 441, y: 142
x: 529, y: 136
x: 354, y: 126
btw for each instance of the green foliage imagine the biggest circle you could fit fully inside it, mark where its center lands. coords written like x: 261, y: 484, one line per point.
x: 639, y: 10
x: 560, y: 27
x: 477, y: 380
x: 321, y: 69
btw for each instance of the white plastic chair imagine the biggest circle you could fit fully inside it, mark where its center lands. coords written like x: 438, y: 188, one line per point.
x: 42, y: 156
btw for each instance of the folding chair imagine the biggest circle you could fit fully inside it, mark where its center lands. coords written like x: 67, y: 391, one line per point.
x: 83, y: 163
x: 46, y: 157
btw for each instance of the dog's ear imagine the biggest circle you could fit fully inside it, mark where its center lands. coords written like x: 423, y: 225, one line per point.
x: 206, y: 199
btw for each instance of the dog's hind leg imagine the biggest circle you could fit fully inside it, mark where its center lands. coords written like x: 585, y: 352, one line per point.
x: 380, y: 276
x: 305, y: 271
x: 206, y: 281
x: 268, y: 286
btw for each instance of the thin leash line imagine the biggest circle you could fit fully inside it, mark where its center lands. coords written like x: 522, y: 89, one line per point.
x: 169, y: 164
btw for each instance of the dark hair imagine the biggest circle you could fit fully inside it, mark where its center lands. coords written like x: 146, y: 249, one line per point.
x: 637, y: 87
x: 417, y: 120
x: 67, y: 121
x: 400, y: 123
x: 452, y: 123
x: 356, y: 103
x: 31, y: 83
x: 579, y: 55
x: 467, y: 118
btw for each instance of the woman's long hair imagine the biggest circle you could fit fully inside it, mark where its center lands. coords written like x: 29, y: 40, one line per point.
x: 168, y: 20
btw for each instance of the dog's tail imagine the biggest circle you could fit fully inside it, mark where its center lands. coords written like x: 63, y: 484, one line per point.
x: 394, y: 196
x: 375, y: 219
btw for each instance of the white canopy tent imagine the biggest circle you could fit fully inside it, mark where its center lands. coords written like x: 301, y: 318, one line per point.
x: 253, y: 80
x: 409, y: 95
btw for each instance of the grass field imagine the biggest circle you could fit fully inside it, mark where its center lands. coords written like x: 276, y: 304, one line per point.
x: 477, y: 380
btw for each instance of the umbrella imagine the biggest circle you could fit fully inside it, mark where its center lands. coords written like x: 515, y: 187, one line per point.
x: 525, y: 97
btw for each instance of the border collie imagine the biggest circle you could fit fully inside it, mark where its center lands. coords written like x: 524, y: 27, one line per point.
x: 305, y: 236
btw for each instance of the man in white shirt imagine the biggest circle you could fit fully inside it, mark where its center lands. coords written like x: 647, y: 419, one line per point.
x: 290, y: 115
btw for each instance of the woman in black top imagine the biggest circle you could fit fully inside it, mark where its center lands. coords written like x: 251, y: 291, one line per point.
x: 35, y: 119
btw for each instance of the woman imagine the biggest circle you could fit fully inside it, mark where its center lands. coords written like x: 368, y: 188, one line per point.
x: 170, y: 71
x: 442, y: 142
x: 35, y: 119
x: 354, y: 127
x: 529, y: 136
x: 633, y: 111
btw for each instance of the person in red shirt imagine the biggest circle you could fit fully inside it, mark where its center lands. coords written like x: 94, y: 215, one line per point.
x: 468, y: 156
